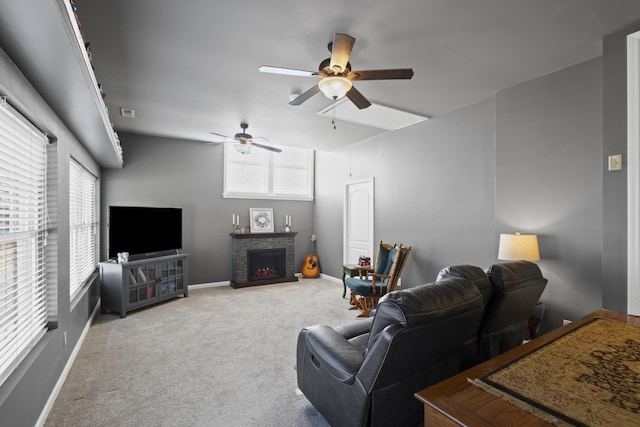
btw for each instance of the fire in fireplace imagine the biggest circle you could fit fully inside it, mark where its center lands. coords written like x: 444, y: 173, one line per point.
x: 264, y: 264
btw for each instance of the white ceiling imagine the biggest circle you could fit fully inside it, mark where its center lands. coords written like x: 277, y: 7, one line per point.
x: 191, y: 66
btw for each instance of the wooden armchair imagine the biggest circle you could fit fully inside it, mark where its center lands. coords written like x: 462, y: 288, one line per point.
x: 371, y: 284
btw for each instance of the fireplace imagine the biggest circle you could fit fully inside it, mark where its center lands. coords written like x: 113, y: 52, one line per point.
x: 274, y: 263
x: 265, y: 264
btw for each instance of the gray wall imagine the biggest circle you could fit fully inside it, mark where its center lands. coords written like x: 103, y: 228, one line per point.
x: 24, y: 394
x: 187, y: 174
x: 614, y: 141
x: 529, y: 160
x: 549, y: 181
x: 434, y: 191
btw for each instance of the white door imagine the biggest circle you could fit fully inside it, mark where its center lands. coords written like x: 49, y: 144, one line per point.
x: 358, y: 220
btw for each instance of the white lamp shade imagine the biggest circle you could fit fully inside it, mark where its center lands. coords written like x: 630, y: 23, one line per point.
x: 519, y: 247
x: 335, y: 87
x: 244, y: 148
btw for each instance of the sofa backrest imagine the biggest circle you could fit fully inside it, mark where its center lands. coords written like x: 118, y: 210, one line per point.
x: 510, y: 291
x: 473, y: 273
x: 424, y: 304
x: 415, y: 341
x: 479, y: 278
x: 517, y: 287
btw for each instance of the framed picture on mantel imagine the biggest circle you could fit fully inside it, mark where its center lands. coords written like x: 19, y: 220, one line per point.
x: 261, y: 220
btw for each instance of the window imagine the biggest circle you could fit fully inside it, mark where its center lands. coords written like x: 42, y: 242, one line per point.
x: 264, y: 174
x: 83, y: 226
x: 23, y: 291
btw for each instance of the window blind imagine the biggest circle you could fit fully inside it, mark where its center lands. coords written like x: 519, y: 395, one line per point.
x: 23, y: 308
x: 83, y: 226
x: 246, y: 173
x: 293, y: 173
x: 265, y: 174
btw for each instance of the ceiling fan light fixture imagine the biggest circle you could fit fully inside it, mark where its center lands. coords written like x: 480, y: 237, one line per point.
x: 335, y: 87
x: 243, y: 148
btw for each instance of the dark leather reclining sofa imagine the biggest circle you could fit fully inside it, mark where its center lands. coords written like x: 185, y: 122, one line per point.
x: 366, y: 372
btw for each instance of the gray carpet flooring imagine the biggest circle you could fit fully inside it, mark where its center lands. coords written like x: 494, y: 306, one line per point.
x: 221, y: 357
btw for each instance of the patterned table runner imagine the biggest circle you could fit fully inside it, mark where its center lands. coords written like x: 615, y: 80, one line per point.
x: 589, y: 377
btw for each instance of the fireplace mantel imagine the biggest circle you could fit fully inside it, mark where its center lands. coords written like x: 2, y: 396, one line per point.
x: 241, y: 243
x: 261, y: 235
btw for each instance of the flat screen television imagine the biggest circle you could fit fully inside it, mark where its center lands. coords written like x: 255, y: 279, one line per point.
x: 144, y: 231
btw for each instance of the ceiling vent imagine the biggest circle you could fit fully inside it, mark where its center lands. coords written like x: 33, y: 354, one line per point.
x: 377, y: 116
x: 128, y: 112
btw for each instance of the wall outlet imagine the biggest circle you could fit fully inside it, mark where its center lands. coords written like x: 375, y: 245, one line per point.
x: 399, y: 285
x: 615, y: 162
x: 64, y: 339
x: 565, y: 322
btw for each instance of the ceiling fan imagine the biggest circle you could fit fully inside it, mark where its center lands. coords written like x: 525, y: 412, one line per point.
x: 336, y: 75
x: 244, y: 141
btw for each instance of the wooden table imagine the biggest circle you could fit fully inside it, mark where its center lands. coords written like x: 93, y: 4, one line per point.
x: 456, y: 402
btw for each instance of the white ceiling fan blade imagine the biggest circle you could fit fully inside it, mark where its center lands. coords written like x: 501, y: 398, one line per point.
x: 225, y: 138
x: 285, y: 71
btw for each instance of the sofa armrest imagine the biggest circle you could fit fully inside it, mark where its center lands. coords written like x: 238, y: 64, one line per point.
x: 355, y: 328
x: 333, y: 353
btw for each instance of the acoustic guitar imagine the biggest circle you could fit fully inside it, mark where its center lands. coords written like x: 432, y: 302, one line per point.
x: 310, y: 269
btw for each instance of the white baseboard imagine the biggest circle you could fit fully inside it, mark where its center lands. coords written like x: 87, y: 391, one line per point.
x: 210, y: 285
x: 333, y: 279
x: 65, y: 372
x: 324, y: 276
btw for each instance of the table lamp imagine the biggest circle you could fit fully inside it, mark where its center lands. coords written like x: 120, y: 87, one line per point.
x: 518, y: 246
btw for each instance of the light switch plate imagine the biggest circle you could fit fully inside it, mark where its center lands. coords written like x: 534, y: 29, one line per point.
x: 615, y: 162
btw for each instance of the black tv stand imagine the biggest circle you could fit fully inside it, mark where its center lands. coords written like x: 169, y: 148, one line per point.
x: 138, y: 283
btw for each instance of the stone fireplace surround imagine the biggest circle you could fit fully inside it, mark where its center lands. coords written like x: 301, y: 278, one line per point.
x: 241, y: 243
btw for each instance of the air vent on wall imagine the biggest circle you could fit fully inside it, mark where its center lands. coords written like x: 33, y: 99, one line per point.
x: 128, y: 112
x: 376, y: 115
